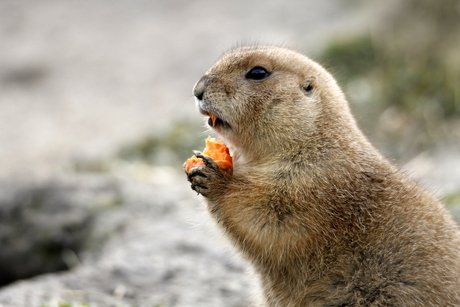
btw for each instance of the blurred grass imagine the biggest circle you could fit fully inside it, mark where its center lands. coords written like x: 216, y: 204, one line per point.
x: 452, y: 199
x: 66, y: 304
x: 165, y: 149
x: 403, y: 80
x: 172, y: 147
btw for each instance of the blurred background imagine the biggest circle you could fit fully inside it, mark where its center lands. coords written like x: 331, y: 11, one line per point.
x: 97, y: 116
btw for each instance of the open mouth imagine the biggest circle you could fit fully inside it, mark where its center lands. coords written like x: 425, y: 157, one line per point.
x: 216, y: 122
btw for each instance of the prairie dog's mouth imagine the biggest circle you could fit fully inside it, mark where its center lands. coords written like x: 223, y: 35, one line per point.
x: 216, y: 122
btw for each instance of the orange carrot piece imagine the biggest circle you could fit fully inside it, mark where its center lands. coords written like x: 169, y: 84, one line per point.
x: 217, y: 151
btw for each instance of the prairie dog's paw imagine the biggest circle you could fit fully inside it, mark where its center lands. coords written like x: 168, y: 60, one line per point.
x: 207, y: 179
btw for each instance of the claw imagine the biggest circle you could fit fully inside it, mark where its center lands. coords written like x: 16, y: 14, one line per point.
x: 195, y: 172
x: 208, y: 161
x: 195, y: 187
x: 203, y: 177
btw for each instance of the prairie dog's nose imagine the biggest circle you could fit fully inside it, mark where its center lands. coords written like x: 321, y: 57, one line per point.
x: 200, y: 87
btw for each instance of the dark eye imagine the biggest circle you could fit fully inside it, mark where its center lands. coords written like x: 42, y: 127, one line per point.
x: 257, y: 73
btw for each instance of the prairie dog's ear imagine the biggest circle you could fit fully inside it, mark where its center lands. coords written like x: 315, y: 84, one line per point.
x: 308, y: 86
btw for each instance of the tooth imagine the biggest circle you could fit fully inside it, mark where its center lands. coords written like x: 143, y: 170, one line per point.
x: 213, y: 119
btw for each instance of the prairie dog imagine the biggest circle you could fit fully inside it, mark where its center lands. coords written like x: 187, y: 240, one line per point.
x: 322, y: 217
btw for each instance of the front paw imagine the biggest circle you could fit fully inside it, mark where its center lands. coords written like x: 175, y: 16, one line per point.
x: 206, y: 179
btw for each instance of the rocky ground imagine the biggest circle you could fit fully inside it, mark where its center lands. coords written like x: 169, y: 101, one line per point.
x: 126, y: 244
x: 80, y: 80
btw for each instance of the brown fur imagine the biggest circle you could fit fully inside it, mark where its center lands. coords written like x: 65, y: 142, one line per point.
x: 324, y: 219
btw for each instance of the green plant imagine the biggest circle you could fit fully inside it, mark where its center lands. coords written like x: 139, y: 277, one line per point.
x: 410, y: 101
x: 171, y: 147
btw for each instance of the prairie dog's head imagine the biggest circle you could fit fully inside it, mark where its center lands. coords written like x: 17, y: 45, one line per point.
x: 265, y: 97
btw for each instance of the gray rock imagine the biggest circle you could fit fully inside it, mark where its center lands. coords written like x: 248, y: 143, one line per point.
x: 44, y: 226
x: 139, y: 245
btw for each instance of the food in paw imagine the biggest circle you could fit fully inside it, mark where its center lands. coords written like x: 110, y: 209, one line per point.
x: 217, y: 151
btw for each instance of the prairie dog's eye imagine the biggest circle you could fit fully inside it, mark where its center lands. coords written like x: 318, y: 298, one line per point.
x: 308, y: 88
x: 257, y: 73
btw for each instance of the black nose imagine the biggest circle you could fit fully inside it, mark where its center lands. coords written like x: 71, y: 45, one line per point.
x: 200, y: 87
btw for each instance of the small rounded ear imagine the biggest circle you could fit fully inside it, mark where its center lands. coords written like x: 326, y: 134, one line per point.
x: 308, y: 86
